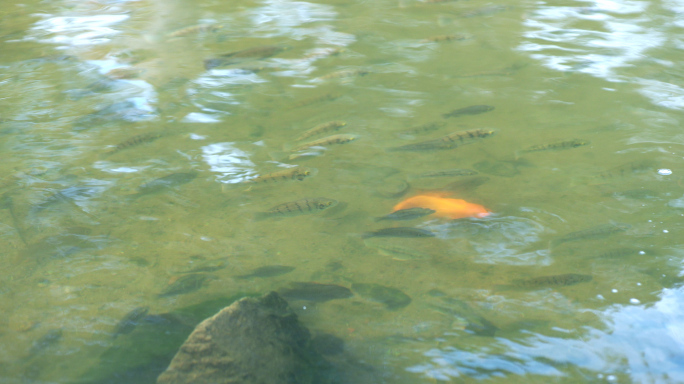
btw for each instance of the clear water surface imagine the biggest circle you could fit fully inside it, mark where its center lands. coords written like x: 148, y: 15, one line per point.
x: 129, y: 148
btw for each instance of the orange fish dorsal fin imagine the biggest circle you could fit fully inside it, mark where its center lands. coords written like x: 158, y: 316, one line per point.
x: 444, y: 206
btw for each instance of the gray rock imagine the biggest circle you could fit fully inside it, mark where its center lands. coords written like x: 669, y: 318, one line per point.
x: 251, y: 341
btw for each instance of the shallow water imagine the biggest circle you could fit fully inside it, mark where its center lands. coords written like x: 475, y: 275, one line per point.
x: 126, y: 166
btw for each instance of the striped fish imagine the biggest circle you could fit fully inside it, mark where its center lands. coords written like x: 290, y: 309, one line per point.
x: 334, y: 139
x: 134, y: 141
x: 556, y: 146
x: 299, y: 207
x: 322, y: 128
x: 296, y: 173
x: 450, y: 141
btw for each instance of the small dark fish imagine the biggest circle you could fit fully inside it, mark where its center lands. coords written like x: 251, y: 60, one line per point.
x: 399, y: 232
x: 552, y: 281
x: 393, y: 298
x: 430, y: 145
x: 556, y: 146
x: 440, y: 38
x: 131, y: 320
x: 628, y: 169
x: 436, y: 293
x: 334, y: 139
x: 256, y: 53
x: 6, y: 202
x: 592, y: 233
x: 261, y: 52
x: 617, y: 253
x: 449, y: 141
x: 315, y: 292
x: 637, y: 194
x: 299, y: 207
x: 424, y: 128
x: 205, y: 266
x: 135, y: 141
x: 268, y: 271
x: 330, y: 126
x: 51, y: 338
x: 185, y: 284
x: 471, y: 110
x: 467, y: 185
x: 295, y: 173
x: 344, y: 74
x: 407, y: 214
x: 447, y: 173
x: 316, y: 99
x: 166, y: 182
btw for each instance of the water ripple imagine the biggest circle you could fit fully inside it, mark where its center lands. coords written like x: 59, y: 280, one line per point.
x: 607, y: 40
x: 83, y: 30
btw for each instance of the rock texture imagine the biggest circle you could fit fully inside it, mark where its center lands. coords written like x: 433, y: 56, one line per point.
x: 251, y: 341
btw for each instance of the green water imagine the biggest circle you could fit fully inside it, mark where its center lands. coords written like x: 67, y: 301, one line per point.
x: 85, y: 238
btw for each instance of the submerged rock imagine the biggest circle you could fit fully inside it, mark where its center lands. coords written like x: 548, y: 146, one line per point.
x: 251, y: 341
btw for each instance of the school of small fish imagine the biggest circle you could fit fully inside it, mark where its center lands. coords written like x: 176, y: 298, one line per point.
x: 394, y: 235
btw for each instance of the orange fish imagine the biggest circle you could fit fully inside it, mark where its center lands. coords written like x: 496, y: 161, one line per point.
x: 444, y: 206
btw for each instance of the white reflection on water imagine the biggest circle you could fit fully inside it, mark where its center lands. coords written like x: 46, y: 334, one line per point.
x: 624, y: 34
x: 197, y: 117
x: 646, y: 342
x: 231, y: 163
x: 281, y: 15
x: 623, y: 41
x: 83, y: 30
